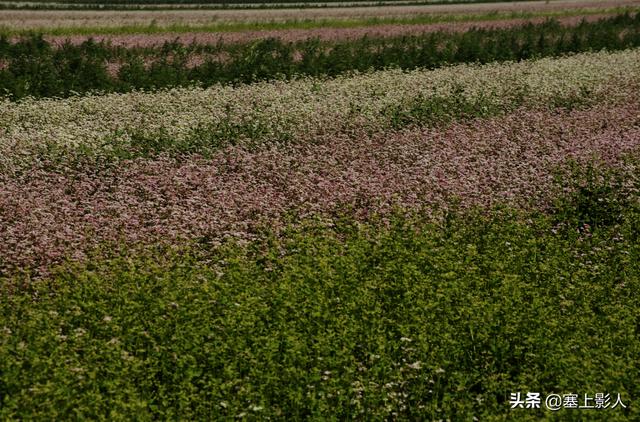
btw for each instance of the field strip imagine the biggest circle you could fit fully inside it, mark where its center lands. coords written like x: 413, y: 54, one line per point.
x: 88, y: 22
x: 125, y: 5
x: 56, y: 133
x: 324, y: 33
x: 504, y: 160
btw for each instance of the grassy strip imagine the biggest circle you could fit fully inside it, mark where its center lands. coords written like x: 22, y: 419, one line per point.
x: 399, y: 319
x: 238, y: 26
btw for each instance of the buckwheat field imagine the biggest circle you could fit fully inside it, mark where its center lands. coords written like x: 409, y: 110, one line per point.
x: 398, y: 210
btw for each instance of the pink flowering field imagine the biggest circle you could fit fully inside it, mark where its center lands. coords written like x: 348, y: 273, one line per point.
x: 51, y: 214
x: 54, y: 209
x: 395, y: 245
x: 322, y: 33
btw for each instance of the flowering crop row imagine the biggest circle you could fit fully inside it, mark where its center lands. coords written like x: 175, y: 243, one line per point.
x: 58, y: 133
x: 505, y: 160
x: 325, y: 33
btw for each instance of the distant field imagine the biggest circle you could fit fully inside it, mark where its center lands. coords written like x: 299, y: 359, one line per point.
x: 192, y: 3
x: 140, y: 38
x: 217, y: 4
x: 88, y: 22
x: 31, y: 66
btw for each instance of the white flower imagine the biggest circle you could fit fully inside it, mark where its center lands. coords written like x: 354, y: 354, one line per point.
x: 415, y: 365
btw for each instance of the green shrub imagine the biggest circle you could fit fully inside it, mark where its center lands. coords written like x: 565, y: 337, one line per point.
x: 34, y: 68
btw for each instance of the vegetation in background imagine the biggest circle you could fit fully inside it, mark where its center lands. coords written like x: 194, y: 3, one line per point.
x: 219, y: 4
x: 32, y: 67
x: 257, y: 24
